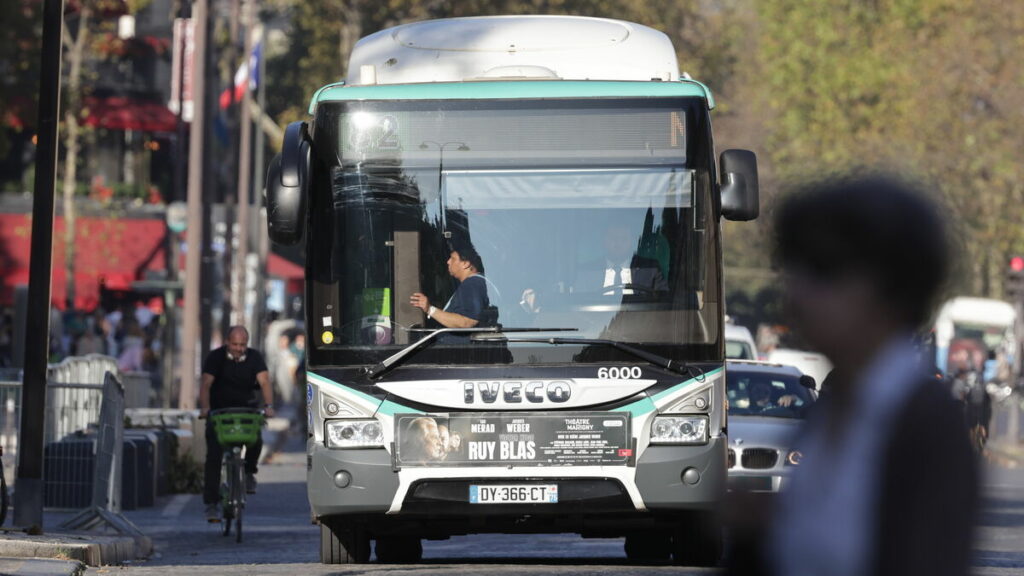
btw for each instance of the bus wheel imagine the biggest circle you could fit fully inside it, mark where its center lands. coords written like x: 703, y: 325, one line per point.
x: 697, y: 541
x: 649, y: 547
x: 399, y: 549
x: 348, y: 546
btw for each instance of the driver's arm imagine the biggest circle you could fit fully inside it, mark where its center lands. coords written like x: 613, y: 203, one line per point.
x: 787, y: 401
x: 452, y: 320
x: 443, y: 317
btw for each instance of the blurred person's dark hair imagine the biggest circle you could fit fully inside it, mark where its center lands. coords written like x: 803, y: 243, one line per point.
x: 876, y: 225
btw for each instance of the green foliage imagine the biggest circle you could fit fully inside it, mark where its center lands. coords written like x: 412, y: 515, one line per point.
x: 19, y: 66
x: 931, y: 88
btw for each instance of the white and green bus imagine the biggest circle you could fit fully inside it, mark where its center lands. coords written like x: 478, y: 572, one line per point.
x: 573, y: 382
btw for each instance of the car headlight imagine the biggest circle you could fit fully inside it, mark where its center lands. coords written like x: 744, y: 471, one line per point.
x: 794, y: 457
x: 354, y: 434
x: 679, y: 430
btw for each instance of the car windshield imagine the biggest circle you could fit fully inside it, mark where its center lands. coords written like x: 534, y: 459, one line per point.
x: 593, y: 216
x: 738, y: 350
x: 762, y: 393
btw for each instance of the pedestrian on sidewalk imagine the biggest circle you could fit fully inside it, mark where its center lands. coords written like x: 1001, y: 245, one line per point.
x: 234, y: 376
x: 887, y: 484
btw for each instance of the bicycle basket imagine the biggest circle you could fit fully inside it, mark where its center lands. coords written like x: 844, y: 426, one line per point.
x: 237, y: 428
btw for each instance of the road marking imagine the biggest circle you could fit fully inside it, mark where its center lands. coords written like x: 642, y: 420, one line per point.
x: 176, y: 505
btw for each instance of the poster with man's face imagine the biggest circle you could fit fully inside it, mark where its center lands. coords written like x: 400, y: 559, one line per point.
x: 513, y: 438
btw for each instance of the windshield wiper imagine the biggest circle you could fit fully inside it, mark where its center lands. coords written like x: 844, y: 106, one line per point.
x: 656, y: 359
x: 391, y: 361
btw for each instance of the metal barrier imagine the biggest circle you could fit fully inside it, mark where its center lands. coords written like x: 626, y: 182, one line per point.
x: 139, y: 390
x: 105, y: 504
x: 74, y: 397
x: 74, y: 392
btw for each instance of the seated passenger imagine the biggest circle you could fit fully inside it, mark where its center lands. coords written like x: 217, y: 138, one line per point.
x: 761, y: 398
x: 466, y: 307
x: 621, y: 270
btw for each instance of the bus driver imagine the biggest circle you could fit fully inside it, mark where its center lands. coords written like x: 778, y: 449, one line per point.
x: 466, y: 306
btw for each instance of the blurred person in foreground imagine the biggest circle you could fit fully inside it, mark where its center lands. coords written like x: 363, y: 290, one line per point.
x: 887, y: 483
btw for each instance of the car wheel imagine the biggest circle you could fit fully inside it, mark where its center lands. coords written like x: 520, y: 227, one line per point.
x: 344, y: 546
x: 399, y: 549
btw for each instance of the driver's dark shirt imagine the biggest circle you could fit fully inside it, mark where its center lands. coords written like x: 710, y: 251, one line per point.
x: 469, y: 300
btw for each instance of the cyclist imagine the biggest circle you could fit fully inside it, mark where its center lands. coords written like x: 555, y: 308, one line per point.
x: 232, y: 376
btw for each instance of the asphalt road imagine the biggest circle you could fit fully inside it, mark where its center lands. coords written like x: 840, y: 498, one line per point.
x: 279, y: 539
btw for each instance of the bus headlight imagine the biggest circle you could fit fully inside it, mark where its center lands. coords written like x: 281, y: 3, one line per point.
x: 679, y: 430
x: 354, y: 434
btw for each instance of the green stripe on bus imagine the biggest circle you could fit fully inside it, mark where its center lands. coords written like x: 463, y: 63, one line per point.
x: 316, y: 378
x: 645, y: 405
x: 386, y: 407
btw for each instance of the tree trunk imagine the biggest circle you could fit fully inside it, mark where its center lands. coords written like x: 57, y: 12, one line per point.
x: 70, y: 162
x: 73, y: 106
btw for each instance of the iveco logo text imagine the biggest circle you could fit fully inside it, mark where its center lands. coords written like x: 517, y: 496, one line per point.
x: 513, y: 392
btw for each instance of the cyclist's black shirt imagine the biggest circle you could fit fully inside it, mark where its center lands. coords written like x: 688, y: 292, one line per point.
x: 234, y: 383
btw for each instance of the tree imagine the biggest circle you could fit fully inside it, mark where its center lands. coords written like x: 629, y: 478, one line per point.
x: 86, y: 23
x: 926, y: 87
x: 19, y: 67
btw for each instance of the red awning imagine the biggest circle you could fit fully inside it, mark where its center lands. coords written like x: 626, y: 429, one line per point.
x: 121, y: 113
x: 282, y: 268
x: 110, y: 254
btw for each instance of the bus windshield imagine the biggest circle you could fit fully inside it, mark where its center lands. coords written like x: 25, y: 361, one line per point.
x: 592, y: 216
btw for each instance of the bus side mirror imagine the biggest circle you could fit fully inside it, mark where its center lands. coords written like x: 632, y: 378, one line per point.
x: 808, y: 382
x: 740, y: 197
x: 287, y: 184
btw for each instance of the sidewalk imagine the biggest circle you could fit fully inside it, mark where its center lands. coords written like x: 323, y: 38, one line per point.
x: 40, y: 567
x: 72, y: 550
x: 61, y: 553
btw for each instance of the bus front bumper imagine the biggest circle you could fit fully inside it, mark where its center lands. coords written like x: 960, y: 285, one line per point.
x: 665, y: 479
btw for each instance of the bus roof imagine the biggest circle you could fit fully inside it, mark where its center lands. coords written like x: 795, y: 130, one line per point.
x: 977, y: 311
x: 512, y: 89
x: 494, y: 47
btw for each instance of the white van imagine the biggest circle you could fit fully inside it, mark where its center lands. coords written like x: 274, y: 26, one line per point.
x: 739, y: 343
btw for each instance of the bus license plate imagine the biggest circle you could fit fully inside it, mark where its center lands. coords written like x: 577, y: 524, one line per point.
x: 514, y: 494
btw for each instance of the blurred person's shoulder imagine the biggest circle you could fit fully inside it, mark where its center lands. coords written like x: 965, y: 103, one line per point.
x: 930, y: 400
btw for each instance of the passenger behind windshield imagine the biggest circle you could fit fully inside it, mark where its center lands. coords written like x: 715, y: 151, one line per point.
x: 620, y: 271
x: 767, y: 397
x: 468, y: 305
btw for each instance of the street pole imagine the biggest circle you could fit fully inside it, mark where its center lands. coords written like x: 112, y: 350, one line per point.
x: 259, y: 309
x: 240, y: 258
x: 230, y: 200
x: 211, y: 193
x: 193, y: 258
x: 28, y: 485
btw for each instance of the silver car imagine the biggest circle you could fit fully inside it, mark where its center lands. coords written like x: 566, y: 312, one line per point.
x: 767, y: 405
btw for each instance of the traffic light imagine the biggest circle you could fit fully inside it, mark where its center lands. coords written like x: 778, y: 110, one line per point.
x: 1015, y: 279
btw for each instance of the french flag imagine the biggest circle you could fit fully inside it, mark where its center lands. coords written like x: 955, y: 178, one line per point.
x: 243, y: 79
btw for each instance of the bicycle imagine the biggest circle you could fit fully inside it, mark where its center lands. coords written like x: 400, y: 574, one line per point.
x: 235, y: 427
